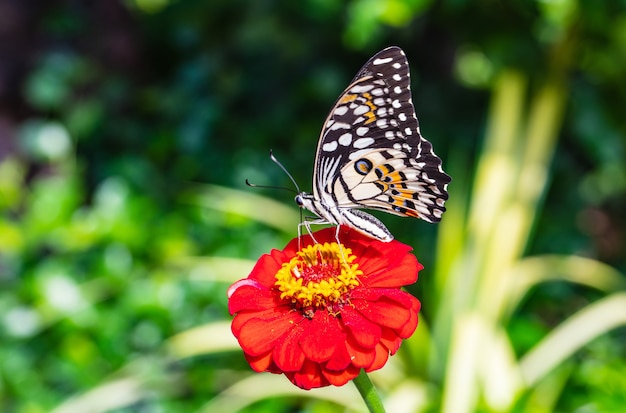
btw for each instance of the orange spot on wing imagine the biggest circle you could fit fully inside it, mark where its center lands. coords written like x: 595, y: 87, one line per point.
x: 347, y: 98
x: 371, y: 117
x: 412, y: 213
x: 405, y: 193
x: 399, y: 201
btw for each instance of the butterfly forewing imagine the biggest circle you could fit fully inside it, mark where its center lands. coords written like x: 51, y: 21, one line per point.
x: 371, y: 153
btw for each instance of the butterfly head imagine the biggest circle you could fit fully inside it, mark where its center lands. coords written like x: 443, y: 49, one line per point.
x: 304, y: 200
x: 327, y: 213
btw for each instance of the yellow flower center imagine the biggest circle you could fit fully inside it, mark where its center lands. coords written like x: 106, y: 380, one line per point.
x: 320, y: 276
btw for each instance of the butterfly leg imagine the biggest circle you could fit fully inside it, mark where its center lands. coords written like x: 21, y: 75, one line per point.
x: 340, y: 244
x: 307, y: 225
x: 308, y: 221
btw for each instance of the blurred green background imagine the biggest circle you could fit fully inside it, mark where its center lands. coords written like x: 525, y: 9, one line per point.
x: 127, y: 129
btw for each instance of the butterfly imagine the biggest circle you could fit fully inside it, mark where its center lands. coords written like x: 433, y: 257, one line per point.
x: 371, y: 155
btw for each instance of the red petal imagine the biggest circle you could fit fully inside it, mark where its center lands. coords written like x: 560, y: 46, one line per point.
x: 322, y: 335
x: 382, y: 355
x: 322, y: 236
x: 408, y: 329
x: 357, y: 242
x: 400, y: 273
x: 390, y: 340
x: 341, y: 377
x: 258, y: 335
x: 291, y: 248
x: 361, y: 357
x: 340, y: 359
x: 390, y: 310
x: 266, y: 268
x: 269, y: 314
x: 389, y: 252
x: 363, y: 331
x: 248, y: 294
x: 262, y: 362
x: 393, y: 338
x: 288, y: 355
x: 347, y: 236
x: 310, y: 376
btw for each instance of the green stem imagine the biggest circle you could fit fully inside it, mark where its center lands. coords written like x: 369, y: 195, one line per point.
x: 369, y: 393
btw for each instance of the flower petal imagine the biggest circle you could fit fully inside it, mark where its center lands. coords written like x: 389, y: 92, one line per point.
x: 250, y: 295
x: 408, y: 329
x: 288, y: 355
x: 361, y: 357
x: 260, y: 335
x: 309, y: 376
x: 403, y: 272
x: 340, y: 358
x: 390, y: 340
x: 268, y: 314
x: 322, y: 335
x: 266, y: 267
x: 341, y: 377
x: 388, y: 308
x: 382, y: 355
x: 260, y: 363
x: 363, y: 331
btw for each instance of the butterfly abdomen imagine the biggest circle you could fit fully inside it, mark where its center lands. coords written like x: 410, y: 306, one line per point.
x: 358, y: 220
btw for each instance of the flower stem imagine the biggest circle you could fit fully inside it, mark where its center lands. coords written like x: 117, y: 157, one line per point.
x: 369, y: 393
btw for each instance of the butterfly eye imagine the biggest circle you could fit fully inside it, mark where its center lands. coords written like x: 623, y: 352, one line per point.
x: 299, y: 200
x: 363, y: 166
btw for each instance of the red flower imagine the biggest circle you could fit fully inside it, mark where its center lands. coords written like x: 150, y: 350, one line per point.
x: 321, y: 313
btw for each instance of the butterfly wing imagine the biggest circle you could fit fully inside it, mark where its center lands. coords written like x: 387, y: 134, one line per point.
x: 371, y: 153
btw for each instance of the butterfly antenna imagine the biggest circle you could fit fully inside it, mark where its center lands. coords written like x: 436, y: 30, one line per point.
x: 250, y: 184
x: 284, y: 170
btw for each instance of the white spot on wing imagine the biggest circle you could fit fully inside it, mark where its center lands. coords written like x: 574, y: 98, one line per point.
x: 340, y: 125
x: 330, y: 146
x: 361, y: 110
x: 362, y: 131
x: 362, y: 88
x: 363, y: 143
x: 345, y: 139
x: 341, y: 110
x: 382, y: 61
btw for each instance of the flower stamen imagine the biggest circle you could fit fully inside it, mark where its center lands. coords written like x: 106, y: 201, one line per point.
x: 320, y: 276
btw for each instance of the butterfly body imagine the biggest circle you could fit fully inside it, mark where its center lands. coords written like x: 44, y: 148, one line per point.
x: 371, y: 154
x: 354, y: 218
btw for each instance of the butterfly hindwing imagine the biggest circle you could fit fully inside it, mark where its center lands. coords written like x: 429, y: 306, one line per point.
x: 388, y: 180
x: 371, y: 153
